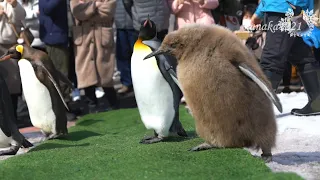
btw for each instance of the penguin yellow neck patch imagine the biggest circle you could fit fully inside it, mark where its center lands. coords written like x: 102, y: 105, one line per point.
x: 145, y: 50
x: 140, y: 46
x: 19, y: 48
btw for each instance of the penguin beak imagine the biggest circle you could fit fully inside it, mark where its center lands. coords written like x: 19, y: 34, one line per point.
x: 5, y: 57
x: 147, y: 22
x: 154, y: 53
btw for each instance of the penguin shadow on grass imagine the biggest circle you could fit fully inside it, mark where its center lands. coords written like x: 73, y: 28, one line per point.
x: 72, y: 136
x: 89, y: 122
x: 48, y: 146
x: 80, y: 135
x: 191, y: 135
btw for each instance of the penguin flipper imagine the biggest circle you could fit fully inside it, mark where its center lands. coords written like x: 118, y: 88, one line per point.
x: 174, y: 77
x: 269, y: 92
x: 55, y: 85
x: 6, y: 109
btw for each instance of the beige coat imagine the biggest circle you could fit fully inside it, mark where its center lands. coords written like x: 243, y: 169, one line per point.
x: 317, y: 12
x: 95, y: 46
x: 9, y: 69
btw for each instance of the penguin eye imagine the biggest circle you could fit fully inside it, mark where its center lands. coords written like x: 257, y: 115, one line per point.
x: 11, y: 51
x: 173, y: 45
x: 176, y: 45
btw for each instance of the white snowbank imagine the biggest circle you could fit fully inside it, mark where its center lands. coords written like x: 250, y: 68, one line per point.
x: 298, y: 141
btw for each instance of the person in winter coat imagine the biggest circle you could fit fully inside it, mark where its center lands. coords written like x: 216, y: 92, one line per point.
x: 53, y: 29
x: 157, y: 10
x: 193, y: 11
x: 279, y: 44
x: 32, y: 21
x: 248, y: 12
x: 11, y: 13
x: 314, y: 39
x: 95, y: 49
x: 124, y: 46
x: 72, y: 72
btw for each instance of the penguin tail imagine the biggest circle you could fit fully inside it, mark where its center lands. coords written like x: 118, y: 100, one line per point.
x: 178, y: 128
x: 182, y: 132
x: 26, y: 143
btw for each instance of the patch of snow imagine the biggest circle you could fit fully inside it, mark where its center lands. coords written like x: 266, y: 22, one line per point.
x: 298, y: 140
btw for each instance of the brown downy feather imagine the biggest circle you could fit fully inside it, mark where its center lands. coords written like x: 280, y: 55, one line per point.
x: 229, y: 109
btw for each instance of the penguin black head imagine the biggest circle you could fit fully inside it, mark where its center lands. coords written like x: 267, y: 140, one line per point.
x: 148, y: 29
x: 14, y: 52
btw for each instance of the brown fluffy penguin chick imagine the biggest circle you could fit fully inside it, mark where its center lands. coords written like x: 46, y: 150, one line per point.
x: 229, y: 108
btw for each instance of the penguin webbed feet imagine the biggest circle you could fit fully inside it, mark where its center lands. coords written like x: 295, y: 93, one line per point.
x: 56, y: 136
x: 12, y: 151
x: 203, y: 146
x: 151, y: 140
x: 51, y: 136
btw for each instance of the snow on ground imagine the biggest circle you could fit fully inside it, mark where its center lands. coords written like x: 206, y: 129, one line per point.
x: 298, y: 140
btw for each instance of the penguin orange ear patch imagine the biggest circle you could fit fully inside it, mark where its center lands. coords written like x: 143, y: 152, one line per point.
x: 19, y: 48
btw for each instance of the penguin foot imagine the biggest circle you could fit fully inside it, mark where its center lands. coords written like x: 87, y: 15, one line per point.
x: 54, y: 136
x: 151, y: 139
x: 45, y: 133
x: 203, y: 146
x: 12, y: 151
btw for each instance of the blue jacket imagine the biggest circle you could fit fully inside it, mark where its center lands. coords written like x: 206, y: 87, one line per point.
x: 281, y: 6
x: 53, y: 22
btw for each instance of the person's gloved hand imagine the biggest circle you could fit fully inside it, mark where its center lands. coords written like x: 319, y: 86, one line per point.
x: 313, y: 40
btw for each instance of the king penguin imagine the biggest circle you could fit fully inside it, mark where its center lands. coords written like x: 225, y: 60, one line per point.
x: 156, y: 91
x: 41, y: 89
x: 10, y: 137
x: 230, y: 97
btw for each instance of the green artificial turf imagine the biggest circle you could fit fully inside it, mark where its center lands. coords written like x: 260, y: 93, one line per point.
x: 106, y: 146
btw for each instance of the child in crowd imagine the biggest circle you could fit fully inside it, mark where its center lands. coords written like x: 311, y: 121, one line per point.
x: 256, y: 41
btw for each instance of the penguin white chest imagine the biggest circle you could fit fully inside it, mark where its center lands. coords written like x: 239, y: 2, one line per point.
x: 152, y: 92
x: 37, y: 97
